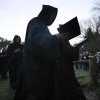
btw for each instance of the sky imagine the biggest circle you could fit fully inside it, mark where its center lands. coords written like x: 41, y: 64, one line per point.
x: 15, y: 14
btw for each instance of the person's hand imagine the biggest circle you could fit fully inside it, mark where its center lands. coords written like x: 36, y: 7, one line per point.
x: 61, y: 35
x: 75, y: 45
x: 18, y: 50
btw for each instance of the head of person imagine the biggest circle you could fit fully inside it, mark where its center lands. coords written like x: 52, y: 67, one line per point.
x: 87, y: 53
x: 16, y: 39
x: 48, y: 14
x: 84, y: 53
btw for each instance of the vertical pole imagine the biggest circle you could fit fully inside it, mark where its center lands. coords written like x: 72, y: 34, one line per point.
x: 93, y: 72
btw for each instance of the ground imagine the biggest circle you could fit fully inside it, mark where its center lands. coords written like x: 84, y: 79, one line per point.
x: 83, y: 78
x: 6, y: 93
x: 91, y: 95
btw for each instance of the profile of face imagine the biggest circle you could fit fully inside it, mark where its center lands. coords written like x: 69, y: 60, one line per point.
x: 52, y: 17
x: 17, y: 39
x: 48, y: 14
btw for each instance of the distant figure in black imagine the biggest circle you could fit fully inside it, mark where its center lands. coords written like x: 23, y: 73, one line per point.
x: 14, y: 53
x: 85, y: 56
x: 3, y: 63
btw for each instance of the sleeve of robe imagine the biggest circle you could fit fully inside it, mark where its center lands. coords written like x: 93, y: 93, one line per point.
x: 10, y: 51
x: 69, y: 52
x: 41, y: 43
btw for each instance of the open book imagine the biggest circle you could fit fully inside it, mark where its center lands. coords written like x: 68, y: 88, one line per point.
x: 72, y: 28
x: 77, y: 41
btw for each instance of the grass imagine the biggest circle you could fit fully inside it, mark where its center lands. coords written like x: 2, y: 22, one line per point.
x: 6, y: 93
x: 82, y: 76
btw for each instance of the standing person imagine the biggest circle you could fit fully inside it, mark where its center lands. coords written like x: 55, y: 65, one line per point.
x: 41, y: 49
x: 4, y: 61
x: 85, y: 56
x: 14, y: 53
x: 66, y: 84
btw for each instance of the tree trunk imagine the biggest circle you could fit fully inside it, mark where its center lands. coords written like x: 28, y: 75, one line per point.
x: 93, y: 72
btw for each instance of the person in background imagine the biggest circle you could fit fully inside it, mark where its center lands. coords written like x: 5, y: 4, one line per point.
x: 14, y: 53
x: 85, y: 56
x: 80, y: 65
x: 4, y: 61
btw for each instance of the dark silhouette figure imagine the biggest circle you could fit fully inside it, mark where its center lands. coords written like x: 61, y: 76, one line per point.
x: 40, y: 78
x: 14, y: 53
x: 41, y: 49
x: 3, y: 63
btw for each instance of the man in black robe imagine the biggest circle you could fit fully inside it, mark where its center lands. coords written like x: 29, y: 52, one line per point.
x: 14, y: 53
x: 41, y: 49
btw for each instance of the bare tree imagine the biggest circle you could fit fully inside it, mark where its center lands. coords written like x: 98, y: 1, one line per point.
x: 92, y: 31
x: 96, y: 6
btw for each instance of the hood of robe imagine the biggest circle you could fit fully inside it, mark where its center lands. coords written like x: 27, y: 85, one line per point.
x: 14, y: 39
x: 45, y: 14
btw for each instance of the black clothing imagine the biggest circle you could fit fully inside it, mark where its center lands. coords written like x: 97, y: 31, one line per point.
x: 14, y: 62
x: 85, y: 57
x: 40, y: 75
x: 66, y: 84
x: 41, y: 49
x: 45, y: 14
x: 86, y: 64
x: 3, y: 65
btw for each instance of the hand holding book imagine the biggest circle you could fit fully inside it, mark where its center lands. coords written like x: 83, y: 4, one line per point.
x: 72, y: 29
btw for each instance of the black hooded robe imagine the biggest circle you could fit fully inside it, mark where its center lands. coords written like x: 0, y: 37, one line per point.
x: 66, y: 85
x: 3, y: 64
x: 14, y: 63
x: 41, y: 49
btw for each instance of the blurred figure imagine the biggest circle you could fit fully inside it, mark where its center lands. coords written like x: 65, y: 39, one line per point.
x: 4, y: 63
x: 80, y: 65
x: 98, y: 64
x: 14, y: 53
x: 85, y: 56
